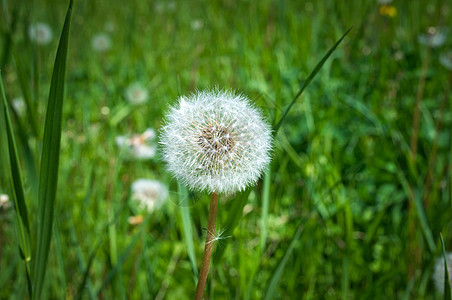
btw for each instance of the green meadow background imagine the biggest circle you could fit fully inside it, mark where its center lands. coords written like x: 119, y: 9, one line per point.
x: 345, y: 210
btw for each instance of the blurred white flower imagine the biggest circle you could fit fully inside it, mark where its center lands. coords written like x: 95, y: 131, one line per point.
x: 19, y: 105
x: 136, y: 93
x: 101, y: 42
x: 139, y: 146
x: 216, y: 141
x: 384, y: 2
x: 171, y: 5
x: 438, y: 272
x: 435, y: 37
x: 41, y: 33
x: 109, y: 26
x: 197, y: 24
x: 4, y: 201
x: 446, y: 60
x: 149, y: 194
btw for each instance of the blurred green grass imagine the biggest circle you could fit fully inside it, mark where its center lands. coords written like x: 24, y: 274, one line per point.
x: 341, y: 164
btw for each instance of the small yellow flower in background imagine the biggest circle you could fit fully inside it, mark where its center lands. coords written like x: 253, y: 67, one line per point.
x: 135, y: 220
x: 388, y: 11
x: 138, y: 146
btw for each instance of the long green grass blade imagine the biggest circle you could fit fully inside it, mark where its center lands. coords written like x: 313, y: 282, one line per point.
x: 308, y: 81
x: 234, y: 216
x: 17, y: 186
x: 187, y: 229
x: 265, y: 207
x: 447, y: 292
x: 277, y: 275
x: 50, y: 159
x: 31, y: 111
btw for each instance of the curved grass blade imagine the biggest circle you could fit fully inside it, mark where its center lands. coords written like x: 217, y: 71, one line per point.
x: 276, y: 277
x: 50, y: 158
x: 308, y: 81
x: 447, y: 293
x: 17, y: 186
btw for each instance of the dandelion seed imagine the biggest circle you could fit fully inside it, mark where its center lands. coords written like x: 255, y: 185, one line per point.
x: 138, y: 146
x: 446, y: 60
x: 4, y: 201
x: 171, y: 6
x: 434, y: 38
x: 216, y: 141
x: 41, y: 33
x: 101, y: 42
x: 149, y: 194
x: 19, y: 105
x: 197, y: 24
x: 136, y: 94
x: 438, y: 272
x: 384, y: 2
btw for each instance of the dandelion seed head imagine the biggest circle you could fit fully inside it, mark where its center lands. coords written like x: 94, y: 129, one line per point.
x: 149, y: 194
x: 446, y: 60
x: 101, y: 42
x: 136, y: 94
x: 138, y: 146
x: 4, y: 201
x: 216, y: 141
x: 433, y: 38
x: 19, y: 105
x: 438, y: 272
x: 41, y: 33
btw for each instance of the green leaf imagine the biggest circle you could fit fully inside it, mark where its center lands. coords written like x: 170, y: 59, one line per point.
x: 447, y: 293
x: 48, y: 178
x: 308, y: 81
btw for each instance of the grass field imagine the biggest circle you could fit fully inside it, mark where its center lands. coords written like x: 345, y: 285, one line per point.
x: 354, y: 200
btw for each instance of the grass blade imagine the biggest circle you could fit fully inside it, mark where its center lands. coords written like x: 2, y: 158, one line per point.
x: 265, y: 206
x: 277, y: 275
x: 234, y: 216
x: 17, y: 186
x: 50, y: 158
x: 447, y: 293
x: 308, y: 81
x: 187, y: 228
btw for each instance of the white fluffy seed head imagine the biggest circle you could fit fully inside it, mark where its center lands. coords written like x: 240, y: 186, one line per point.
x: 216, y: 141
x: 149, y: 194
x: 438, y: 272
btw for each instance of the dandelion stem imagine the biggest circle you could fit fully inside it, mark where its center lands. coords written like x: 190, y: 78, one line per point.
x: 208, y: 247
